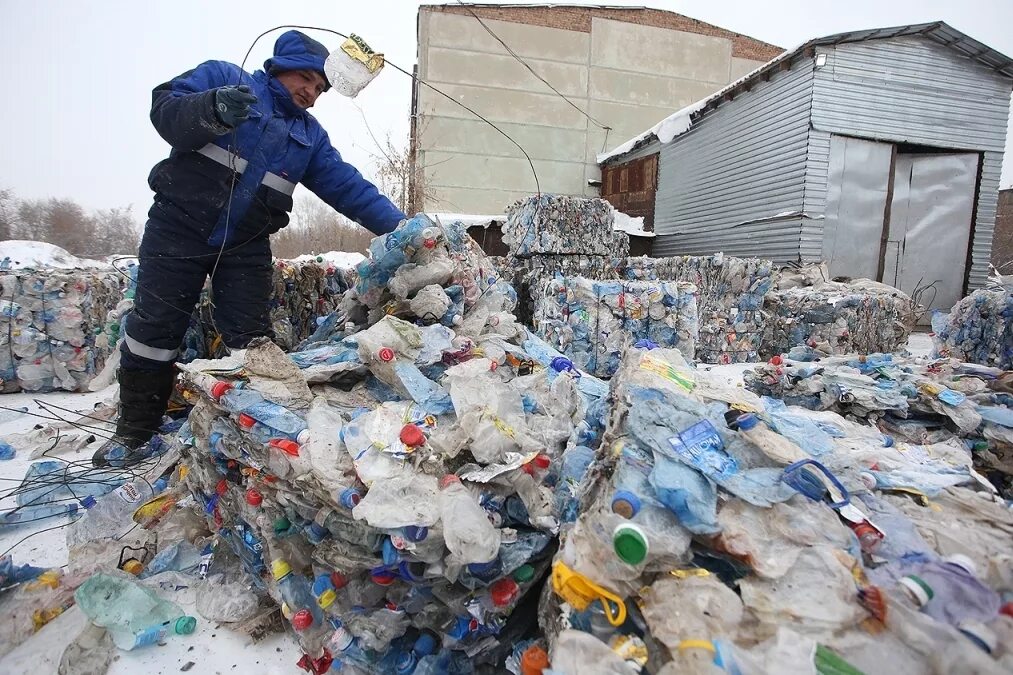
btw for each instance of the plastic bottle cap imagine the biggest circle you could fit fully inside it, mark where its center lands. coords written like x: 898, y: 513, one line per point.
x: 542, y: 461
x: 133, y: 567
x: 920, y: 591
x: 303, y: 437
x: 416, y: 532
x: 504, y: 591
x: 88, y: 502
x: 246, y: 421
x: 341, y: 640
x: 383, y: 578
x: 412, y: 436
x: 748, y: 421
x: 630, y: 543
x: 524, y: 574
x: 980, y: 634
x: 327, y: 598
x: 339, y: 580
x: 776, y: 360
x: 448, y: 480
x: 386, y: 354
x: 425, y: 645
x: 185, y: 625
x: 290, y: 448
x: 280, y: 568
x: 964, y: 562
x: 1007, y: 609
x: 302, y: 619
x: 625, y: 503
x: 534, y: 660
x: 281, y: 525
x: 350, y: 497
x: 406, y: 661
x: 219, y: 388
x: 254, y: 498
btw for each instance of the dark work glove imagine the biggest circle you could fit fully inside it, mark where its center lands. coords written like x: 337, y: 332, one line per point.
x: 232, y: 104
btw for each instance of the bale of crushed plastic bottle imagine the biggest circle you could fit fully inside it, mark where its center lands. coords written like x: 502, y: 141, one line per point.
x: 592, y: 321
x: 979, y: 328
x: 856, y: 317
x: 563, y: 225
x: 53, y: 328
x: 402, y: 515
x: 730, y: 297
x: 720, y: 533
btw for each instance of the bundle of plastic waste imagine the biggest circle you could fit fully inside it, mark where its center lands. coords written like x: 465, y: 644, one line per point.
x: 563, y: 225
x: 979, y: 328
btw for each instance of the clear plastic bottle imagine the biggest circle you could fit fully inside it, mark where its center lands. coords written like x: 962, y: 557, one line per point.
x: 469, y: 535
x: 110, y: 515
x: 295, y: 591
x: 774, y: 445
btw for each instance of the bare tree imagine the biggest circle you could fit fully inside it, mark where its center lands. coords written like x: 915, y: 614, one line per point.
x: 8, y: 214
x: 317, y: 228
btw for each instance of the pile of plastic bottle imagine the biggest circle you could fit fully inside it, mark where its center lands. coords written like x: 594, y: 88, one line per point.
x: 730, y: 296
x: 402, y: 513
x: 718, y: 532
x: 591, y: 322
x: 979, y: 328
x: 304, y: 292
x: 563, y: 225
x: 52, y: 329
x: 860, y: 316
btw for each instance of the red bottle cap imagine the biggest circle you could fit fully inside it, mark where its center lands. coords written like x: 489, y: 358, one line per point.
x: 504, y: 591
x: 222, y: 487
x: 449, y: 480
x: 386, y: 354
x: 412, y: 436
x: 383, y: 578
x: 285, y: 445
x: 776, y: 361
x: 339, y: 580
x: 1007, y: 609
x: 219, y: 388
x: 542, y: 461
x: 534, y: 660
x: 254, y: 498
x: 246, y: 421
x: 302, y: 619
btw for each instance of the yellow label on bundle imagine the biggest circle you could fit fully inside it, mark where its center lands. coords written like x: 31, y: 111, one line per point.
x: 667, y: 371
x: 360, y: 51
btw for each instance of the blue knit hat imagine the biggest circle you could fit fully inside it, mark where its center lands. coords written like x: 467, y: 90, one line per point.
x: 298, y: 51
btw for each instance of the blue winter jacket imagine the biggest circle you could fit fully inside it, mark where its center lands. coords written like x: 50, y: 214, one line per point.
x: 278, y: 146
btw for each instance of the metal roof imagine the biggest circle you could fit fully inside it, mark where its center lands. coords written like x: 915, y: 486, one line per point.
x: 938, y: 31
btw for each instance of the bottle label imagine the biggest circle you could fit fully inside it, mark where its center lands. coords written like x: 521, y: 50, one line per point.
x: 701, y: 447
x: 150, y: 636
x: 129, y: 493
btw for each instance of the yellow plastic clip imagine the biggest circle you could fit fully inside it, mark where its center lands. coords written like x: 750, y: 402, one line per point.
x: 697, y: 644
x: 580, y: 592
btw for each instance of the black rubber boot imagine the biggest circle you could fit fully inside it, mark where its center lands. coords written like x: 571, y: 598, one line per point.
x: 144, y: 395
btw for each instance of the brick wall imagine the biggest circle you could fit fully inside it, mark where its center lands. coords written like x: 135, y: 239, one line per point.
x: 1002, y: 242
x: 579, y: 19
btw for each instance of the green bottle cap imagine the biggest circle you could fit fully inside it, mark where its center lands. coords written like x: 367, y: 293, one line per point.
x: 524, y: 573
x: 185, y: 625
x: 281, y: 525
x: 630, y: 543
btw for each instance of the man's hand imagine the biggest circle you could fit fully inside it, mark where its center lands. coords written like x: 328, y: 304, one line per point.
x: 232, y: 104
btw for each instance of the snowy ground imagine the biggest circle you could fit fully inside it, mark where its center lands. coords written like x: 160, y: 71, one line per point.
x: 211, y: 649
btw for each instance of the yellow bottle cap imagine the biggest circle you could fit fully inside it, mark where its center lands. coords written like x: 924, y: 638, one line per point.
x: 327, y: 598
x: 280, y: 568
x: 133, y: 567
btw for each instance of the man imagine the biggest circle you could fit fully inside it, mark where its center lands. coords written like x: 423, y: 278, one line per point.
x: 240, y: 143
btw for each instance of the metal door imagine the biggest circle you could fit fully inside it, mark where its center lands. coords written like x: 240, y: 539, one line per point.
x: 857, y: 188
x: 930, y: 226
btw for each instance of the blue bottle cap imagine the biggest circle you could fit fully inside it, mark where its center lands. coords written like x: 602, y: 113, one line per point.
x: 561, y: 363
x: 887, y: 441
x: 425, y: 645
x: 390, y: 554
x: 322, y: 584
x: 350, y: 497
x: 747, y: 421
x: 487, y: 570
x: 88, y: 502
x: 406, y: 663
x: 416, y: 533
x: 645, y: 344
x: 625, y: 503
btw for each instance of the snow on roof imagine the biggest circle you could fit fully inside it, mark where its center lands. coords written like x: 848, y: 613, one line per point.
x: 24, y: 253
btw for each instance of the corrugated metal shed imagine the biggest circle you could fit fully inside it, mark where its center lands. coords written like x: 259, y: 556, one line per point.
x: 750, y: 175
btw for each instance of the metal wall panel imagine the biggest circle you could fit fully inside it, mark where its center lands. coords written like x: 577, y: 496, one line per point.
x: 914, y: 90
x: 857, y: 185
x: 735, y: 181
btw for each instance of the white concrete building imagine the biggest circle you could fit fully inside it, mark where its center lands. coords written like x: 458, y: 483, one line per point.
x: 626, y: 68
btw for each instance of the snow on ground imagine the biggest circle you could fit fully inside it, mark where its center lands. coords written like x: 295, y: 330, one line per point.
x: 212, y: 649
x: 630, y: 225
x: 26, y: 253
x: 344, y: 259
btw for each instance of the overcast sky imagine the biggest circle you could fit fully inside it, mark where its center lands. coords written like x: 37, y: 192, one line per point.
x: 79, y: 75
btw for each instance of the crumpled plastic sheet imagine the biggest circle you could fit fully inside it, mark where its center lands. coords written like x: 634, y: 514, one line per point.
x: 482, y: 398
x: 53, y: 327
x: 731, y: 294
x: 743, y: 573
x: 857, y: 317
x: 592, y: 321
x: 563, y: 225
x: 978, y: 329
